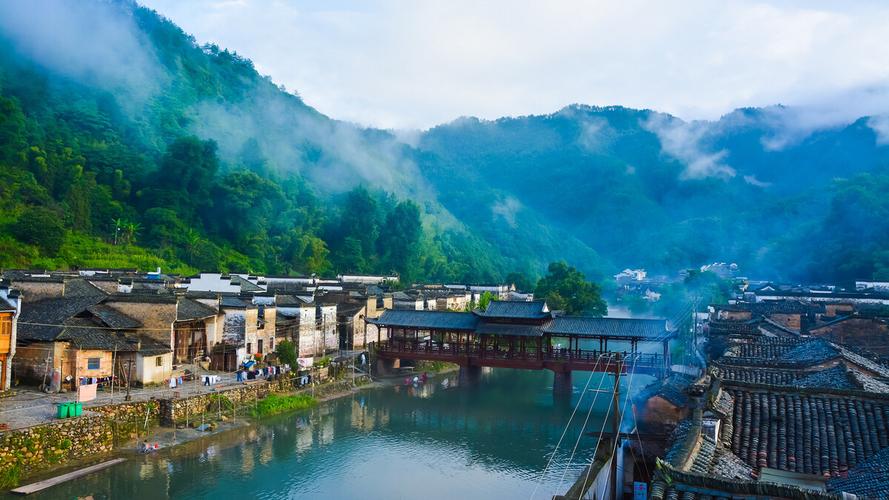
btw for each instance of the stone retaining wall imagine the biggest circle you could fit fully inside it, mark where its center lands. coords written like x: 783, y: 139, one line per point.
x: 25, y: 451
x: 173, y: 411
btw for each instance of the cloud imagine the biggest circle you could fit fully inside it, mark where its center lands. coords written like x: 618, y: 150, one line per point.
x: 97, y: 43
x: 417, y: 64
x: 595, y: 133
x: 507, y: 209
x: 683, y: 141
x: 880, y: 126
x: 753, y: 181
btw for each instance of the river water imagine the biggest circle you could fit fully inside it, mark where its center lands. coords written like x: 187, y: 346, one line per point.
x: 490, y: 440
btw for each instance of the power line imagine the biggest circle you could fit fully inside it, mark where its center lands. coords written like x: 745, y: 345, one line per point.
x: 565, y: 431
x: 580, y: 434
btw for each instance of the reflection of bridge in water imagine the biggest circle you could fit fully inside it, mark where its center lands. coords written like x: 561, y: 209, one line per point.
x: 523, y: 335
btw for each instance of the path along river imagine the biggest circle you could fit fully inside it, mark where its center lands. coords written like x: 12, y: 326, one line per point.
x: 491, y: 440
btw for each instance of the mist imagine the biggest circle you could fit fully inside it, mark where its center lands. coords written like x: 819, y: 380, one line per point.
x: 94, y: 43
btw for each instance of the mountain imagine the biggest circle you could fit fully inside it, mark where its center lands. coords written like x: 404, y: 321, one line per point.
x: 124, y: 142
x: 650, y: 190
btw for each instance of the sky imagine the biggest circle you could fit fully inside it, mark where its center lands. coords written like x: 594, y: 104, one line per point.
x: 415, y: 64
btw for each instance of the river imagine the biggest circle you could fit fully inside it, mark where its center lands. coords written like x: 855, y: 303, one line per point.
x: 491, y: 440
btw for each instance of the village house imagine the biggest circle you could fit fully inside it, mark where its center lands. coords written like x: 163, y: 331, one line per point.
x: 351, y: 325
x: 861, y: 330
x: 329, y: 340
x: 62, y: 341
x: 296, y: 322
x: 248, y: 329
x: 413, y: 302
x: 663, y: 402
x: 10, y: 308
x: 194, y: 331
x: 500, y: 292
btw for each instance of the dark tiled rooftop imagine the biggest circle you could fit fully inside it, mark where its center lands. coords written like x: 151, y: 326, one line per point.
x: 516, y: 309
x: 805, y: 433
x: 870, y: 479
x: 609, y: 327
x: 427, y: 319
x: 189, y: 310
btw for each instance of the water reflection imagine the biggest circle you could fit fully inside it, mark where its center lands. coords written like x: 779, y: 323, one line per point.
x: 433, y: 440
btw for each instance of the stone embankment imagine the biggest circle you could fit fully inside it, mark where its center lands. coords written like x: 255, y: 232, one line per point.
x: 103, y: 429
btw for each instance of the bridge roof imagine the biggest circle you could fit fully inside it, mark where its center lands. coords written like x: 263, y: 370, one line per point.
x: 516, y: 309
x: 509, y: 330
x: 610, y: 328
x: 427, y: 320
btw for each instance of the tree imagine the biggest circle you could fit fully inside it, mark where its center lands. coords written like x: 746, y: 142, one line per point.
x: 485, y: 300
x: 286, y: 352
x: 521, y: 282
x: 399, y: 240
x: 41, y: 227
x: 565, y: 288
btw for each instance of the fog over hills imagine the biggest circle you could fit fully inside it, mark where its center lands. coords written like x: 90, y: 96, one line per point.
x: 103, y: 89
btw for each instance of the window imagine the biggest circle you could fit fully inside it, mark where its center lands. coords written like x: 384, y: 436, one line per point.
x: 249, y: 348
x: 259, y: 346
x: 159, y: 361
x: 5, y: 325
x: 271, y: 344
x: 93, y: 363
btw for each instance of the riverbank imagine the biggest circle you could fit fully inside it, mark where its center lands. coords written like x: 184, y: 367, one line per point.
x: 103, y: 432
x: 489, y: 439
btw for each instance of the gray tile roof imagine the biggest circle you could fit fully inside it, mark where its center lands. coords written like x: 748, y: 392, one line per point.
x: 609, y: 327
x: 672, y: 389
x: 80, y: 287
x: 516, y: 309
x: 487, y: 328
x: 5, y: 305
x: 43, y: 320
x: 85, y: 334
x: 869, y: 479
x: 235, y: 302
x: 443, y: 320
x: 113, y: 318
x: 189, y: 310
x: 785, y: 429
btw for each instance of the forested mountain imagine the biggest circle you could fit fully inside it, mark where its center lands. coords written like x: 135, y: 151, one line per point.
x: 123, y: 142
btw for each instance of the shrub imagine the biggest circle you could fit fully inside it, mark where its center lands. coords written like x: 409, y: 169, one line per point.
x: 274, y: 404
x: 286, y: 352
x: 10, y: 476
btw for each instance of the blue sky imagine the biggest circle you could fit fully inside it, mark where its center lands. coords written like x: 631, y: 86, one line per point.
x: 414, y: 64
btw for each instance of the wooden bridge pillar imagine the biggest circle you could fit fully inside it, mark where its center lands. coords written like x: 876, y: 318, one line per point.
x: 470, y: 374
x: 562, y: 383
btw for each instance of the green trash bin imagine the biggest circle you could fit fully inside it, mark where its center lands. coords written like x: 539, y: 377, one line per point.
x: 77, y: 408
x: 62, y: 410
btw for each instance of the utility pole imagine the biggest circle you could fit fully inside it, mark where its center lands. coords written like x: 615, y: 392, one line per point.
x: 113, y: 358
x: 129, y: 377
x: 615, y: 428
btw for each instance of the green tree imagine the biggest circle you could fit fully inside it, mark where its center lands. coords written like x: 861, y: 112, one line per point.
x: 41, y: 227
x: 399, y: 240
x: 520, y: 280
x: 286, y: 352
x: 485, y: 299
x: 565, y: 288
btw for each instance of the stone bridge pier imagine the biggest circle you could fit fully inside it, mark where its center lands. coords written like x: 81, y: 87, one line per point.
x: 469, y: 374
x: 562, y: 385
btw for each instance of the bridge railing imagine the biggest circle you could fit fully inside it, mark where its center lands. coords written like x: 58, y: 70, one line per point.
x: 397, y: 346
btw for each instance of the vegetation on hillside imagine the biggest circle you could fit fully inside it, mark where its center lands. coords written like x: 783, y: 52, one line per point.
x: 151, y: 150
